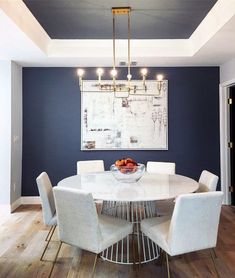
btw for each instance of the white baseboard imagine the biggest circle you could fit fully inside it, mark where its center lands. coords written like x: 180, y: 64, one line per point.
x: 30, y: 200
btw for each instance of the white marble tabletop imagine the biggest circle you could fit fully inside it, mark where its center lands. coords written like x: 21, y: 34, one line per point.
x: 104, y: 186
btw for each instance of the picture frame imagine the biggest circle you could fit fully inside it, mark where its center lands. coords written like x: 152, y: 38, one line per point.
x: 124, y: 120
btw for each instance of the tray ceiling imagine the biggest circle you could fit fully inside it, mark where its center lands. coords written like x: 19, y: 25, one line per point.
x: 92, y: 19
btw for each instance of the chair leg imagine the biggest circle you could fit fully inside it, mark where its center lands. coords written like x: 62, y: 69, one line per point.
x: 167, y: 265
x: 51, y: 232
x: 44, y: 251
x: 57, y: 253
x: 94, y: 265
x: 213, y: 260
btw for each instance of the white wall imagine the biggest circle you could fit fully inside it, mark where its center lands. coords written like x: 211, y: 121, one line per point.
x: 16, y: 131
x: 227, y: 71
x: 10, y: 133
x: 5, y: 132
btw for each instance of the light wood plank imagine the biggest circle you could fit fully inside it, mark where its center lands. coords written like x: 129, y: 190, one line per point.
x: 22, y: 239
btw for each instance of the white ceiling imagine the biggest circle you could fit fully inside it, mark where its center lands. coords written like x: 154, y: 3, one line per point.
x: 24, y: 40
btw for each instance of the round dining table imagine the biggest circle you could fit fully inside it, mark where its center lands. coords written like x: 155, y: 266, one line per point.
x: 133, y: 202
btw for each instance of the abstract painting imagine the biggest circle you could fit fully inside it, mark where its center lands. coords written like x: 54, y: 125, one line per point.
x: 123, y: 121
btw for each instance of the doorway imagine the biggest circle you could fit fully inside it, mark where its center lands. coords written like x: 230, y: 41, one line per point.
x: 231, y: 143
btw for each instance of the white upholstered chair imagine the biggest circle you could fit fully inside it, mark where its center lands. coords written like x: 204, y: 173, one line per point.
x: 48, y: 205
x: 207, y: 181
x: 163, y: 207
x: 160, y: 167
x: 193, y: 226
x: 89, y: 166
x: 80, y: 226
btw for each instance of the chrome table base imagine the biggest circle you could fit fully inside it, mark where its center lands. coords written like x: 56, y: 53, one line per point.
x: 134, y: 212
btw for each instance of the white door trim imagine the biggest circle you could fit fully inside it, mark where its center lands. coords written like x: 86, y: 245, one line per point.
x: 224, y: 139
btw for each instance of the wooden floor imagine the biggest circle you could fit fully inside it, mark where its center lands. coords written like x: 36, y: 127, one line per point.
x: 22, y: 239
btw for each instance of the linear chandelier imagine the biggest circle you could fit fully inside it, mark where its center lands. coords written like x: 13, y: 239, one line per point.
x: 119, y: 86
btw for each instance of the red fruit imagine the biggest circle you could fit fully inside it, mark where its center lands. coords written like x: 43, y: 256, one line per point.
x: 126, y: 166
x: 130, y: 165
x: 131, y: 168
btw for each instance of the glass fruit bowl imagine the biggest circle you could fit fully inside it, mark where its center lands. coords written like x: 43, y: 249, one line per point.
x: 128, y: 174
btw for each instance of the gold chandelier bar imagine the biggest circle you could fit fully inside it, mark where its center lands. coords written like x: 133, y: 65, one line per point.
x: 122, y: 11
x: 114, y: 46
x: 129, y: 50
x: 114, y: 51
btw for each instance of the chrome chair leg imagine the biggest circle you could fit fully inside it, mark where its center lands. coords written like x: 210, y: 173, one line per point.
x: 57, y: 253
x: 94, y: 265
x: 51, y: 232
x: 213, y: 260
x: 167, y: 265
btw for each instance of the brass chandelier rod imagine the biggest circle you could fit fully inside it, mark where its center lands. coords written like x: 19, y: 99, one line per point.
x: 114, y: 46
x: 121, y: 11
x: 129, y: 50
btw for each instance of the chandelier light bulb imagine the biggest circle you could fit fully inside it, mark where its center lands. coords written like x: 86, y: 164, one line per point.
x: 113, y: 73
x: 129, y: 76
x: 144, y: 72
x: 160, y: 77
x: 99, y: 71
x: 80, y: 72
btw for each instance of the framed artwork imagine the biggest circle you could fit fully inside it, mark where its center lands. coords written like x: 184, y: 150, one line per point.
x: 123, y: 121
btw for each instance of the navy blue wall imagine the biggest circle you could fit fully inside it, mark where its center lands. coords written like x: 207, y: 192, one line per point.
x: 51, y: 123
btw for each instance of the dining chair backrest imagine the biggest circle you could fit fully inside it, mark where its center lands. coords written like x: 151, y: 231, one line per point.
x: 89, y: 166
x: 47, y: 197
x: 77, y: 218
x: 160, y: 167
x: 207, y: 181
x: 194, y: 223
